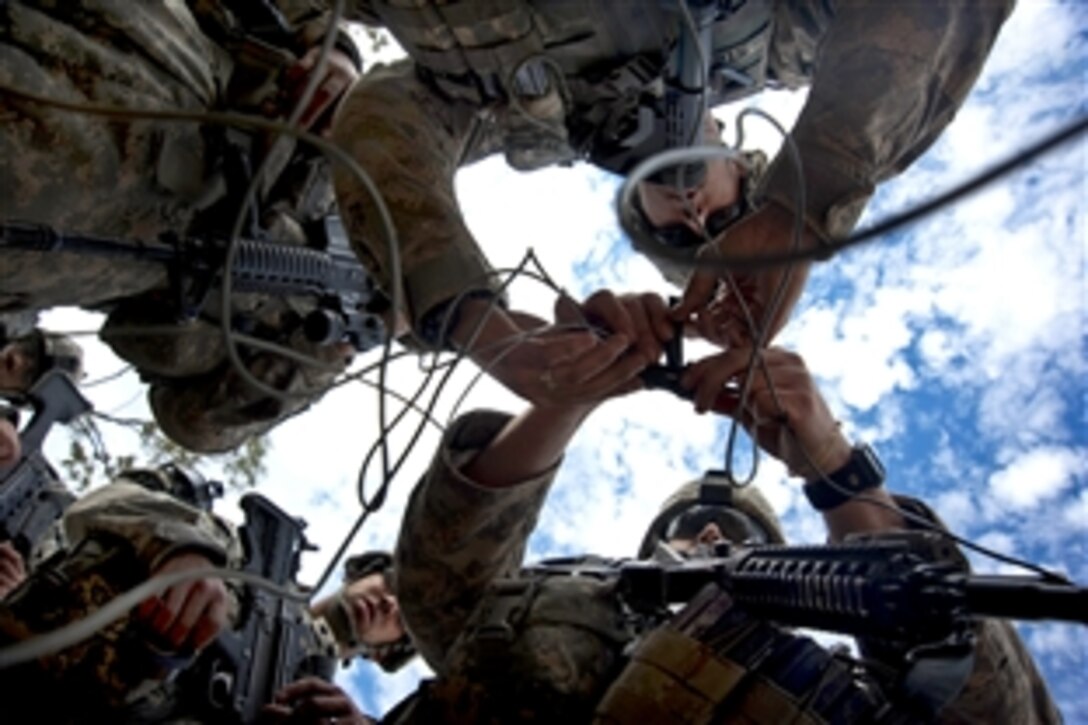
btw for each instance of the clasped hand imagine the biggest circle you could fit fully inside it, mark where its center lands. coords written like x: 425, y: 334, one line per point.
x: 594, y: 350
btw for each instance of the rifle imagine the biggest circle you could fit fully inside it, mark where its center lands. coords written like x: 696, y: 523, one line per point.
x: 31, y: 495
x: 902, y: 588
x: 347, y: 303
x: 904, y: 595
x: 674, y: 119
x: 276, y: 641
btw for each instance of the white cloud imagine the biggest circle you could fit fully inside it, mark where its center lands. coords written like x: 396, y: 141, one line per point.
x: 999, y: 541
x: 1075, y: 515
x: 1037, y: 475
x: 956, y: 509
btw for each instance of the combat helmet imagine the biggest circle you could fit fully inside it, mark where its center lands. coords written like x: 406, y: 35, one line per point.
x: 181, y: 481
x: 735, y: 508
x: 46, y: 351
x: 394, y: 655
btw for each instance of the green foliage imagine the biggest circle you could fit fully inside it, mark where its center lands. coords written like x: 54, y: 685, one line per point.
x: 244, y: 467
x: 90, y: 462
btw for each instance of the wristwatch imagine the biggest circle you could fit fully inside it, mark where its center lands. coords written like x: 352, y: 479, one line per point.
x: 442, y: 319
x: 861, y: 472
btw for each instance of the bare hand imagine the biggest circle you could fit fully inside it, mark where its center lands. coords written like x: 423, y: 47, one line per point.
x: 547, y: 365
x: 784, y: 411
x: 189, y: 615
x: 642, y: 318
x: 12, y: 569
x: 716, y: 312
x: 10, y: 446
x: 339, y: 74
x: 313, y: 700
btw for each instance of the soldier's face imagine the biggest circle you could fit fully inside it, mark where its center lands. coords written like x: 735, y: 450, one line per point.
x: 16, y: 368
x: 374, y: 609
x: 709, y: 535
x: 687, y: 217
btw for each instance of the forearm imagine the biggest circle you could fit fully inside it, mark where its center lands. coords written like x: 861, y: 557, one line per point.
x: 410, y: 144
x: 870, y: 512
x: 528, y: 446
x: 889, y: 78
x: 457, y: 537
x: 482, y: 328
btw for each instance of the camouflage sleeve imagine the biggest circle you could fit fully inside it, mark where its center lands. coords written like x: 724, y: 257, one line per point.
x: 158, y: 525
x: 457, y: 537
x: 219, y: 410
x: 83, y: 173
x: 886, y: 80
x: 411, y: 143
x: 1005, y: 684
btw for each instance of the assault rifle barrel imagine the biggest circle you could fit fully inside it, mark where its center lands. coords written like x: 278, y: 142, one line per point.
x: 900, y: 589
x: 339, y: 282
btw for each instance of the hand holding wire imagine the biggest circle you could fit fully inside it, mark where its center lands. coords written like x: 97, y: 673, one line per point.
x: 561, y: 364
x: 740, y: 308
x: 642, y: 318
x: 783, y: 410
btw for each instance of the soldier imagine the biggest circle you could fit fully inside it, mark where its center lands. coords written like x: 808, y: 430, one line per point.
x: 549, y: 83
x: 23, y: 361
x: 12, y: 568
x: 512, y: 647
x: 365, y: 617
x: 135, y: 527
x: 137, y: 179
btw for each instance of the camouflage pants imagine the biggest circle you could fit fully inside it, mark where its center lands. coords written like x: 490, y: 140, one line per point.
x: 130, y: 179
x: 88, y: 680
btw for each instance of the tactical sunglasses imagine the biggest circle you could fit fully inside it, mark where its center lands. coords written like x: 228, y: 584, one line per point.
x: 734, y: 525
x: 681, y: 236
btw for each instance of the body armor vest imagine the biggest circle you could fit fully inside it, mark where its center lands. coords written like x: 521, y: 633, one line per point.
x: 569, y: 648
x: 571, y: 75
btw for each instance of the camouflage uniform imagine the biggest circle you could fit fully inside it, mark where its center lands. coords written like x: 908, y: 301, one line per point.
x: 109, y: 541
x: 459, y: 540
x: 135, y: 179
x: 885, y: 78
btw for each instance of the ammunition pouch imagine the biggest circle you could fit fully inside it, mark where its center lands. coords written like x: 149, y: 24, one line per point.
x: 535, y: 650
x: 491, y: 54
x: 714, y: 663
x: 467, y: 50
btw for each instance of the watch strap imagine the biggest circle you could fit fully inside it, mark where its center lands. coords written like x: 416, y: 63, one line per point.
x: 861, y: 472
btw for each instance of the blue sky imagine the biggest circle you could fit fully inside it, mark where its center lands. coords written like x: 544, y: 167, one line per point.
x: 957, y: 348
